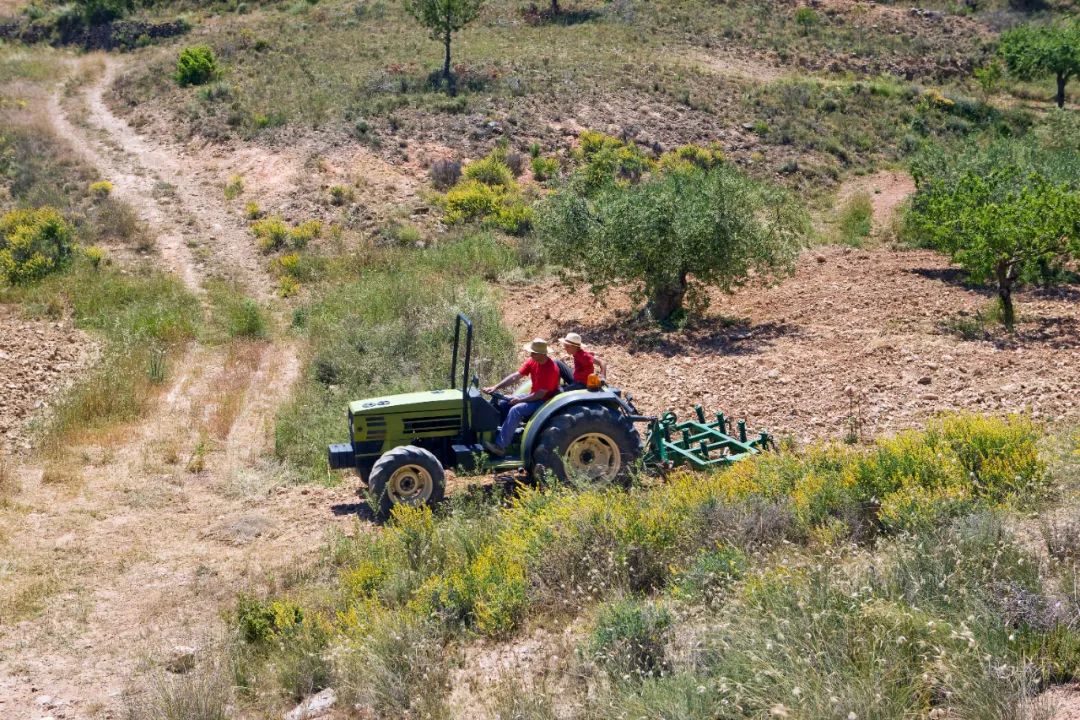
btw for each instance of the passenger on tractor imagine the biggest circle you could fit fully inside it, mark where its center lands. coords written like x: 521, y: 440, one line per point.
x: 544, y: 375
x: 585, y: 362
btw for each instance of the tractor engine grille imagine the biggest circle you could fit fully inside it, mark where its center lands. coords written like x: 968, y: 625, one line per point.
x: 375, y: 425
x: 440, y: 423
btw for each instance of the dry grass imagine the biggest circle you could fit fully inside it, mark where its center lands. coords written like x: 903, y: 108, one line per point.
x: 242, y: 360
x: 9, y: 484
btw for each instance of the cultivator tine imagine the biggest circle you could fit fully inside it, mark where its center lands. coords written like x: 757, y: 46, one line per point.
x: 699, y: 443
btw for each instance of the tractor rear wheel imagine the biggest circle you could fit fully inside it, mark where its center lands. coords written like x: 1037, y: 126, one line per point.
x: 406, y: 475
x: 588, y: 442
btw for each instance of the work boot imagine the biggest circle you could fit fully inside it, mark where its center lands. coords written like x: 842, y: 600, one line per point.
x: 493, y: 449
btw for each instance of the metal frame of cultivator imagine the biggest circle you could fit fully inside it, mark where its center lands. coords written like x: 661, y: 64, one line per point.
x: 698, y: 443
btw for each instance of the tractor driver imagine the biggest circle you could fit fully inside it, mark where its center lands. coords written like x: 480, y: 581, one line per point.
x: 544, y: 375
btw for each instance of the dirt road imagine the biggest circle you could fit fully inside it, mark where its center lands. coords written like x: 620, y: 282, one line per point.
x: 132, y: 545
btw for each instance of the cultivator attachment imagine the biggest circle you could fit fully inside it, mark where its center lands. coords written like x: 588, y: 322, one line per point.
x: 698, y: 443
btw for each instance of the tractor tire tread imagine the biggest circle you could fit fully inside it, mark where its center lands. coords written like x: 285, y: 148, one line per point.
x: 564, y: 427
x: 390, y: 461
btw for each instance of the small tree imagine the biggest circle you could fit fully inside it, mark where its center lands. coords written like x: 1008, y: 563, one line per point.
x: 443, y: 18
x: 1034, y: 51
x: 676, y: 230
x: 1004, y: 225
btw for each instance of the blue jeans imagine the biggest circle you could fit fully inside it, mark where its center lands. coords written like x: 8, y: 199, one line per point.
x: 518, y: 414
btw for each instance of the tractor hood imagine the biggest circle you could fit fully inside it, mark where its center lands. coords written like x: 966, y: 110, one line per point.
x: 401, y: 419
x: 429, y: 401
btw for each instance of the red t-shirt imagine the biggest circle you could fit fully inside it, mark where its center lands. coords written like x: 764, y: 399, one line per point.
x: 583, y: 366
x: 544, y: 376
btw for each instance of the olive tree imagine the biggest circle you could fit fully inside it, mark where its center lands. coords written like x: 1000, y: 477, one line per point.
x: 676, y: 230
x: 443, y: 18
x: 1005, y: 224
x: 1034, y: 51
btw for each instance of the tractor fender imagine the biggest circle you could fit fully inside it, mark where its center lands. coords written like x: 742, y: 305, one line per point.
x: 559, y: 403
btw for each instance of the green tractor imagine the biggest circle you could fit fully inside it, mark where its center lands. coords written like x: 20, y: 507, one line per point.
x: 400, y: 444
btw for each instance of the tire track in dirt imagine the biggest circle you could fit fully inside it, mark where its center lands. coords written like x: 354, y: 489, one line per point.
x: 161, y: 522
x: 181, y: 213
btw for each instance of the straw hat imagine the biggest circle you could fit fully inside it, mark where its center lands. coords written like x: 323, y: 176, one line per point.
x: 537, y: 346
x: 572, y: 339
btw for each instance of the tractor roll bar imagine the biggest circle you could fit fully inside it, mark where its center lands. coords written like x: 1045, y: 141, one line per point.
x: 462, y: 319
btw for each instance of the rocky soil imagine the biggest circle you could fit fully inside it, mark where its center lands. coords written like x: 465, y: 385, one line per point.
x: 38, y: 360
x: 855, y: 342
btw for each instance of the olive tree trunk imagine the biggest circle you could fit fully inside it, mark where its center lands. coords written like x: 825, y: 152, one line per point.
x: 1062, y: 79
x: 666, y: 298
x: 1005, y: 282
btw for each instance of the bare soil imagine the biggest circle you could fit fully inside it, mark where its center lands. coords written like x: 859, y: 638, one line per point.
x: 855, y: 342
x: 129, y: 546
x: 38, y: 360
x: 888, y: 189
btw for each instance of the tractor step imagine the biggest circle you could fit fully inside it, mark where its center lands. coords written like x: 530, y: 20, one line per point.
x: 465, y: 456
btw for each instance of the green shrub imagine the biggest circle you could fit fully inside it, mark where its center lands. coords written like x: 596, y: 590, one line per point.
x: 232, y: 315
x: 34, y: 243
x: 196, y: 65
x: 806, y: 17
x: 101, y: 188
x: 272, y: 233
x: 304, y: 233
x: 96, y: 255
x: 628, y: 640
x: 252, y: 211
x: 234, y: 187
x: 545, y: 168
x: 513, y: 218
x: 491, y: 171
x: 471, y: 200
x: 262, y: 622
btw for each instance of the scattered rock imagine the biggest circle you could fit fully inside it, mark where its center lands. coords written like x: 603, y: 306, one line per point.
x: 316, y: 706
x: 181, y: 660
x: 925, y: 380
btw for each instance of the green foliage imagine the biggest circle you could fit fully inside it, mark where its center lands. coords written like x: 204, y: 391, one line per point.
x: 261, y: 623
x: 488, y: 194
x: 233, y: 315
x: 99, y: 12
x: 856, y: 220
x: 545, y: 168
x: 304, y: 233
x: 234, y: 187
x: 807, y: 17
x: 628, y: 640
x: 272, y: 233
x: 34, y: 243
x: 701, y: 540
x: 443, y: 18
x: 1000, y: 214
x: 196, y: 65
x: 677, y: 228
x: 1031, y: 52
x: 989, y: 77
x: 101, y: 189
x: 490, y: 171
x: 95, y: 255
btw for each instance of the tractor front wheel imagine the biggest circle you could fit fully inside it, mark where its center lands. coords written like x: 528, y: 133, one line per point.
x: 406, y: 475
x: 592, y: 443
